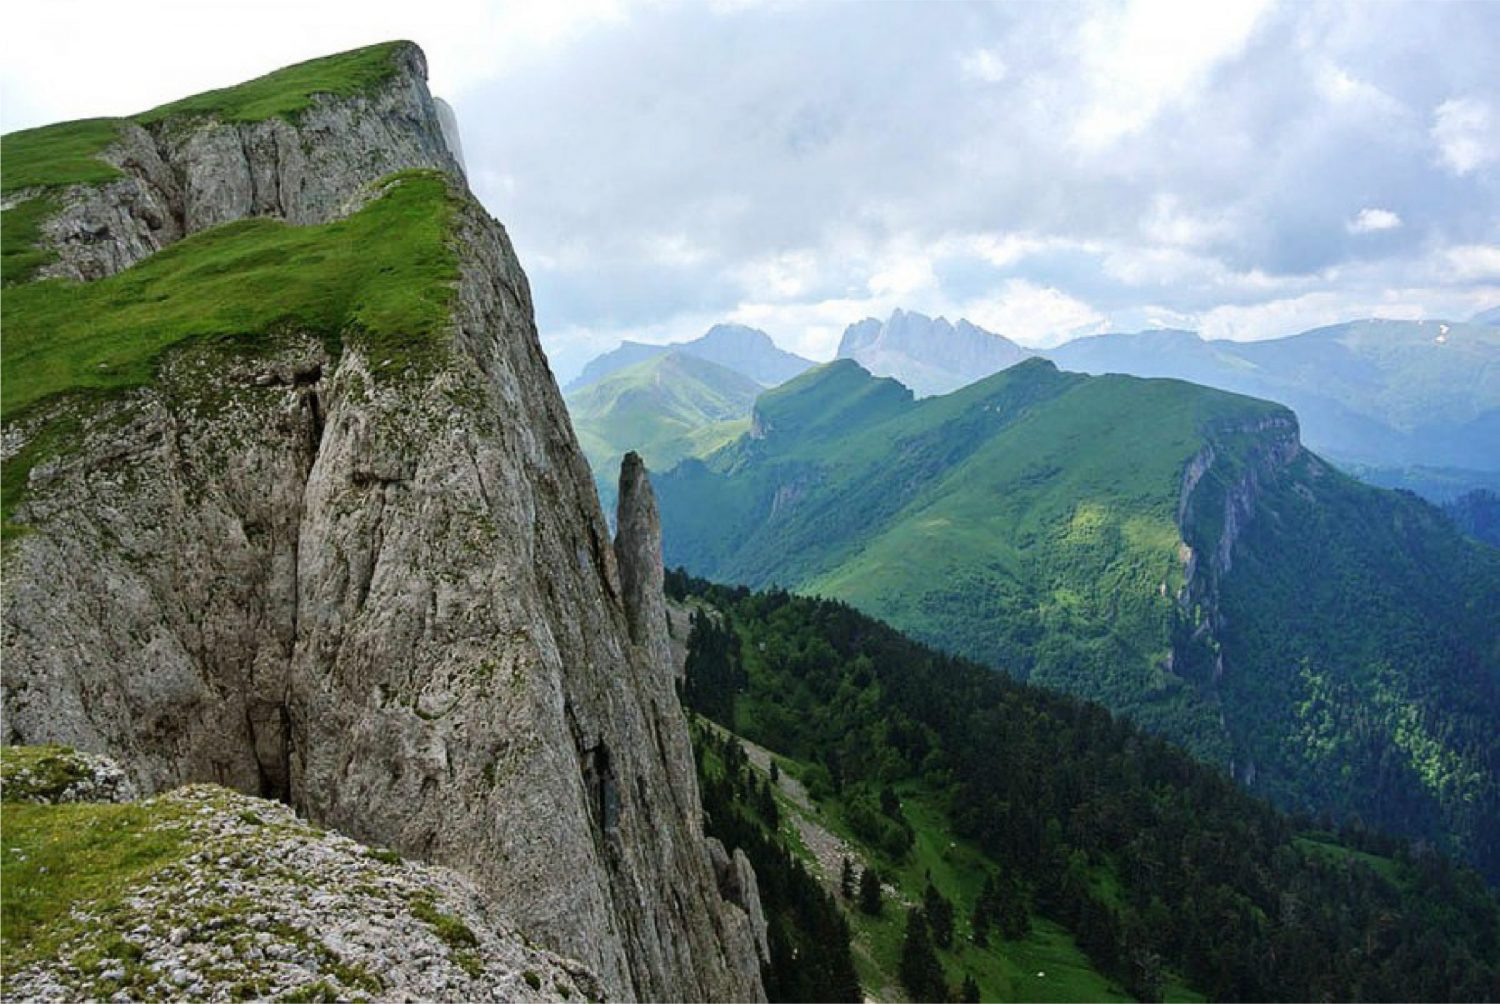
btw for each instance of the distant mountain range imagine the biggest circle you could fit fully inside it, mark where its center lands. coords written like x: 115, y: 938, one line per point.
x: 747, y: 351
x: 929, y: 355
x: 1412, y: 404
x: 668, y: 402
x: 1383, y: 393
x: 1165, y: 548
x: 665, y: 407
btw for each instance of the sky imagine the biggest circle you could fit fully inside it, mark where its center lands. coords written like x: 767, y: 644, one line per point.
x: 1243, y: 169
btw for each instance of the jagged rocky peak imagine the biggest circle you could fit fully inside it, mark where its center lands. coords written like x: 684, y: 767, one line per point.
x: 638, y: 551
x: 356, y: 563
x: 929, y: 355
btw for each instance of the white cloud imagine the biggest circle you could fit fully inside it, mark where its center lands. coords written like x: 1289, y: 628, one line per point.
x: 781, y: 276
x: 1034, y: 315
x: 1475, y: 262
x: 1337, y: 86
x: 903, y: 274
x: 1467, y: 134
x: 1150, y: 53
x: 983, y: 65
x: 674, y: 250
x: 57, y: 57
x: 1168, y: 223
x: 1371, y: 220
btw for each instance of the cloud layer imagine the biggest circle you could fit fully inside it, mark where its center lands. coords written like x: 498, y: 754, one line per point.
x: 1245, y: 169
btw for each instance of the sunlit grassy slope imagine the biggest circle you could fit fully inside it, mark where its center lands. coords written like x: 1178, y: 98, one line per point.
x: 1031, y: 521
x: 67, y: 153
x: 666, y: 408
x: 1027, y: 520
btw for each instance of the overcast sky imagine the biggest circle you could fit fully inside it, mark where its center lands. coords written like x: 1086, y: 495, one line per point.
x: 1246, y: 170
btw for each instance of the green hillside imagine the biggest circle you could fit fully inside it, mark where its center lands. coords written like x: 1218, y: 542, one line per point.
x: 1033, y: 522
x: 666, y: 408
x: 383, y: 277
x: 1042, y: 849
x: 67, y: 153
x: 1369, y: 393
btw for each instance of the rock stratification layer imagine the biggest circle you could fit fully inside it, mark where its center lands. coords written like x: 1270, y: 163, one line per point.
x: 385, y: 594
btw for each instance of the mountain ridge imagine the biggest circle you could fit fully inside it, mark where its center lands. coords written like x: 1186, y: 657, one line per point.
x: 1386, y: 393
x: 748, y: 351
x: 929, y: 355
x: 1110, y: 536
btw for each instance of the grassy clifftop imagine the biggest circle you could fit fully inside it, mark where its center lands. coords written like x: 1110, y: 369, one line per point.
x: 384, y: 271
x: 56, y: 156
x: 66, y: 153
x: 384, y: 276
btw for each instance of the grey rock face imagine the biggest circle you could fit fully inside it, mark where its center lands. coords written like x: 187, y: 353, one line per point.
x: 388, y: 598
x: 1275, y: 444
x: 184, y: 176
x: 449, y: 122
x: 928, y: 355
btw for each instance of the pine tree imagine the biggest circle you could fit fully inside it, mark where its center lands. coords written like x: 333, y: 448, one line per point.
x: 970, y: 994
x: 846, y: 879
x: 921, y: 972
x: 939, y: 916
x: 869, y: 893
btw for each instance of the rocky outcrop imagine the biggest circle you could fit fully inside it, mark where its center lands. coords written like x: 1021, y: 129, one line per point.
x: 385, y: 595
x: 448, y: 121
x: 1221, y: 485
x: 1262, y: 449
x: 181, y: 175
x: 240, y: 900
x: 54, y: 775
x: 738, y: 884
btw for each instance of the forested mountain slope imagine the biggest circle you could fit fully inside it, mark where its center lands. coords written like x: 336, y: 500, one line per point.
x: 1169, y: 550
x: 1033, y: 847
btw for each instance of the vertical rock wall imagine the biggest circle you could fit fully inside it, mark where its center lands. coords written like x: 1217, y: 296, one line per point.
x: 391, y: 601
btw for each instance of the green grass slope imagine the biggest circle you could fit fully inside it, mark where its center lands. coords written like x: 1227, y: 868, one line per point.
x: 67, y: 153
x: 1030, y: 521
x: 666, y: 408
x: 384, y: 277
x: 1118, y: 867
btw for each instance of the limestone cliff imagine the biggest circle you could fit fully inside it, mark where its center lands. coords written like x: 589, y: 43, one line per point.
x: 1220, y: 487
x: 183, y: 173
x: 1220, y: 492
x: 385, y: 594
